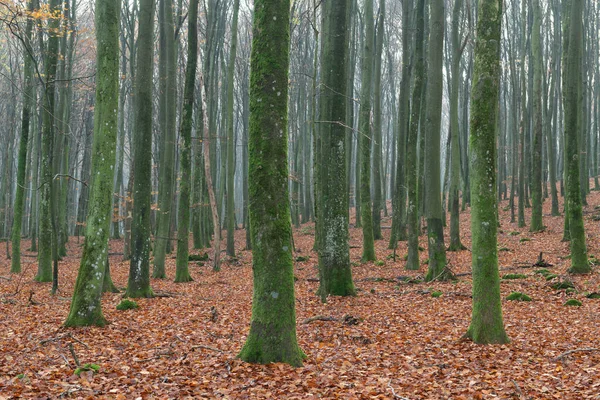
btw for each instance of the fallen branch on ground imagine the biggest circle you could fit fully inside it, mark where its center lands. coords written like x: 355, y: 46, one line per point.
x: 319, y: 318
x: 583, y: 349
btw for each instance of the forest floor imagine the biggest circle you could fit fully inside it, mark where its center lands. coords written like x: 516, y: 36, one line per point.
x: 401, y: 343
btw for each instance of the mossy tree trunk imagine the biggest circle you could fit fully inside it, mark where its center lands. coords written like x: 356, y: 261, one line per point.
x: 22, y: 160
x: 433, y: 120
x: 365, y: 135
x: 412, y: 163
x: 524, y: 118
x: 138, y: 284
x: 167, y: 148
x: 182, y: 273
x: 378, y: 198
x: 536, y: 181
x: 86, y: 308
x: 334, y: 255
x: 572, y: 87
x: 272, y: 336
x: 230, y: 136
x: 486, y: 321
x: 47, y: 235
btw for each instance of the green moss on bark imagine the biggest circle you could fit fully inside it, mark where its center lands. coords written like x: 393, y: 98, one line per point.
x: 272, y: 336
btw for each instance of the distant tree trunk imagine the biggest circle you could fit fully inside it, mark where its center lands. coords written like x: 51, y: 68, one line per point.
x: 272, y: 336
x: 486, y: 321
x: 524, y: 118
x: 378, y: 201
x: 412, y: 164
x: 22, y: 160
x: 86, y: 308
x: 399, y: 190
x: 230, y: 137
x: 457, y: 50
x: 138, y: 284
x: 182, y: 273
x: 536, y: 181
x: 209, y: 184
x: 433, y: 119
x: 334, y: 256
x: 573, y: 86
x: 47, y: 234
x: 167, y: 148
x: 365, y: 135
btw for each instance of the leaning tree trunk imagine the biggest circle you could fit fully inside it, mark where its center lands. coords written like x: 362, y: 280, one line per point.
x: 272, y: 336
x: 86, y: 308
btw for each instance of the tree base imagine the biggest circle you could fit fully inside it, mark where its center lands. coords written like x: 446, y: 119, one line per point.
x: 183, y: 277
x: 487, y: 335
x: 97, y: 319
x: 139, y: 293
x: 265, y: 348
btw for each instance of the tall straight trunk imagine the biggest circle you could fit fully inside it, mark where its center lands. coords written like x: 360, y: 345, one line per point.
x: 550, y: 138
x: 378, y: 199
x: 272, y: 336
x: 399, y: 191
x: 22, y: 160
x: 182, y: 273
x: 536, y: 181
x: 138, y: 284
x: 86, y: 308
x: 230, y: 137
x: 334, y: 256
x: 167, y: 159
x: 486, y: 320
x: 524, y: 118
x: 457, y: 50
x: 573, y: 89
x: 412, y: 163
x: 365, y: 135
x: 47, y: 235
x: 433, y: 207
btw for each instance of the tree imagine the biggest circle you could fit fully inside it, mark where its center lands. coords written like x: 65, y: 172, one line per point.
x: 457, y: 50
x: 536, y: 181
x: 86, y: 308
x: 572, y: 87
x: 230, y: 136
x: 138, y: 284
x: 272, y: 336
x: 334, y: 256
x: 412, y: 170
x: 47, y: 243
x: 364, y: 138
x: 182, y: 273
x: 168, y: 137
x: 486, y: 321
x: 433, y: 119
x: 378, y: 202
x: 25, y: 117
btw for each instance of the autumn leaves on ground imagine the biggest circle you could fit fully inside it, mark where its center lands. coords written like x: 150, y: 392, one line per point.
x: 395, y: 339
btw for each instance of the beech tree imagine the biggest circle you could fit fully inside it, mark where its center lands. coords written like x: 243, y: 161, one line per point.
x: 486, y: 321
x: 334, y: 256
x: 272, y: 336
x: 85, y: 307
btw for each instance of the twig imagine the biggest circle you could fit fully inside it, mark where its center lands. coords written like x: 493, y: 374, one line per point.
x: 201, y: 346
x: 72, y: 350
x: 65, y: 336
x: 394, y: 392
x: 519, y: 392
x: 70, y: 390
x: 319, y: 318
x: 5, y: 278
x: 582, y: 349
